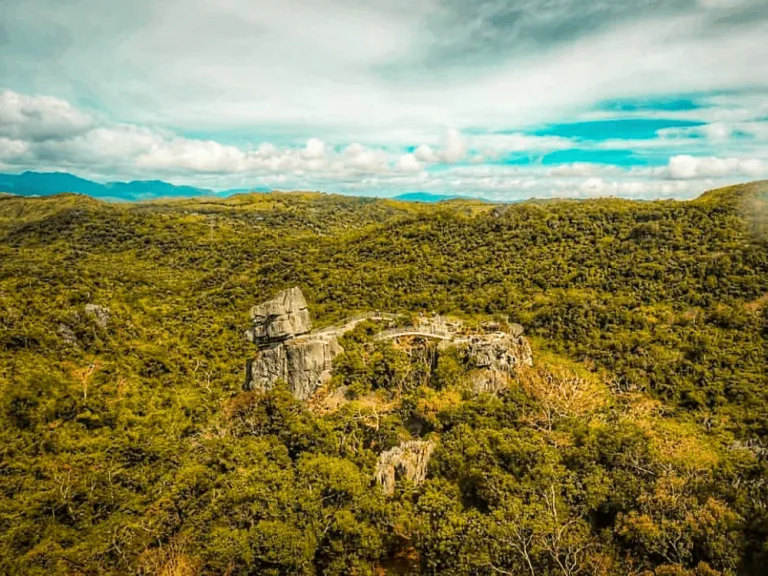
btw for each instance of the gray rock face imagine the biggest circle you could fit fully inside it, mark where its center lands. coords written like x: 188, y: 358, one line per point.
x: 309, y: 364
x: 282, y: 318
x: 409, y: 461
x: 305, y: 364
x: 501, y: 351
x: 286, y: 349
x: 101, y: 314
x: 497, y: 356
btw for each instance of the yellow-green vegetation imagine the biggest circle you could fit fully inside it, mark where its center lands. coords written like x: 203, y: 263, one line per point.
x: 636, y: 444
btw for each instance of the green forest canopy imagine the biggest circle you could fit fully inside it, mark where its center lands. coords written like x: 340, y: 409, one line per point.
x: 130, y: 448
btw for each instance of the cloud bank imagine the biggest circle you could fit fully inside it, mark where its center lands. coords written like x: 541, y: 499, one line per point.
x: 497, y: 98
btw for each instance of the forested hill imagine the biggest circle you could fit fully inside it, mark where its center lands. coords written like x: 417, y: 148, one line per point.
x: 638, y: 443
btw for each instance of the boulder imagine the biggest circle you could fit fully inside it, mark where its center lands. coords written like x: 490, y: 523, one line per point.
x: 101, y: 314
x: 304, y: 364
x: 283, y: 317
x: 408, y: 461
x: 499, y: 211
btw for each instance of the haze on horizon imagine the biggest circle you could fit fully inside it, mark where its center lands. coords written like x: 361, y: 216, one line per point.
x: 502, y: 99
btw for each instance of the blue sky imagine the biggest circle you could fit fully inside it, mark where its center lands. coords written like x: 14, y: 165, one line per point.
x: 503, y: 99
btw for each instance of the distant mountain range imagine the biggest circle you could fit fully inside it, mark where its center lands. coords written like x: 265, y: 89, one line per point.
x: 48, y: 183
x: 429, y: 197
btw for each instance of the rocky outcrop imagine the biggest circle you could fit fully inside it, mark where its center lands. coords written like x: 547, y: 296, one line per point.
x: 304, y: 364
x: 287, y: 351
x: 500, y: 351
x: 497, y: 356
x: 101, y: 314
x: 408, y: 461
x: 290, y: 351
x: 284, y: 317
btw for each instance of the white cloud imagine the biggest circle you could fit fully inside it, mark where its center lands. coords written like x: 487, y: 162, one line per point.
x: 593, y: 186
x: 454, y: 146
x: 267, y: 149
x: 581, y: 170
x: 12, y: 149
x: 194, y: 156
x: 40, y: 117
x: 686, y: 167
x: 722, y: 4
x: 719, y: 133
x: 425, y: 153
x: 134, y: 152
x: 520, y: 142
x: 353, y: 67
x: 357, y: 156
x: 315, y: 149
x: 409, y: 163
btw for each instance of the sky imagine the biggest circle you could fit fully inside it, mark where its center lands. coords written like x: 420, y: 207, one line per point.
x: 500, y: 99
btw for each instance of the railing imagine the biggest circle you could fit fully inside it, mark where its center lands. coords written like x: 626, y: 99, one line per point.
x: 349, y: 323
x: 425, y: 331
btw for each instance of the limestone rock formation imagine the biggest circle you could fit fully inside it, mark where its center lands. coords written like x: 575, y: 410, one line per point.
x: 409, y: 461
x: 305, y: 364
x: 287, y: 351
x: 290, y: 351
x: 500, y: 350
x: 282, y: 318
x: 497, y: 356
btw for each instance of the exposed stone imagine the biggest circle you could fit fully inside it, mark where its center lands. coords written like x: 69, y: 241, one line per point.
x: 101, y: 314
x: 304, y: 364
x: 291, y: 352
x: 499, y: 350
x: 408, y: 461
x: 516, y: 330
x: 67, y: 335
x: 284, y: 317
x: 497, y: 356
x: 310, y: 363
x: 287, y: 351
x: 490, y: 326
x: 489, y: 380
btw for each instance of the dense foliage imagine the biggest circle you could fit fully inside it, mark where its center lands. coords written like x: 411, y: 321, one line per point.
x: 636, y: 444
